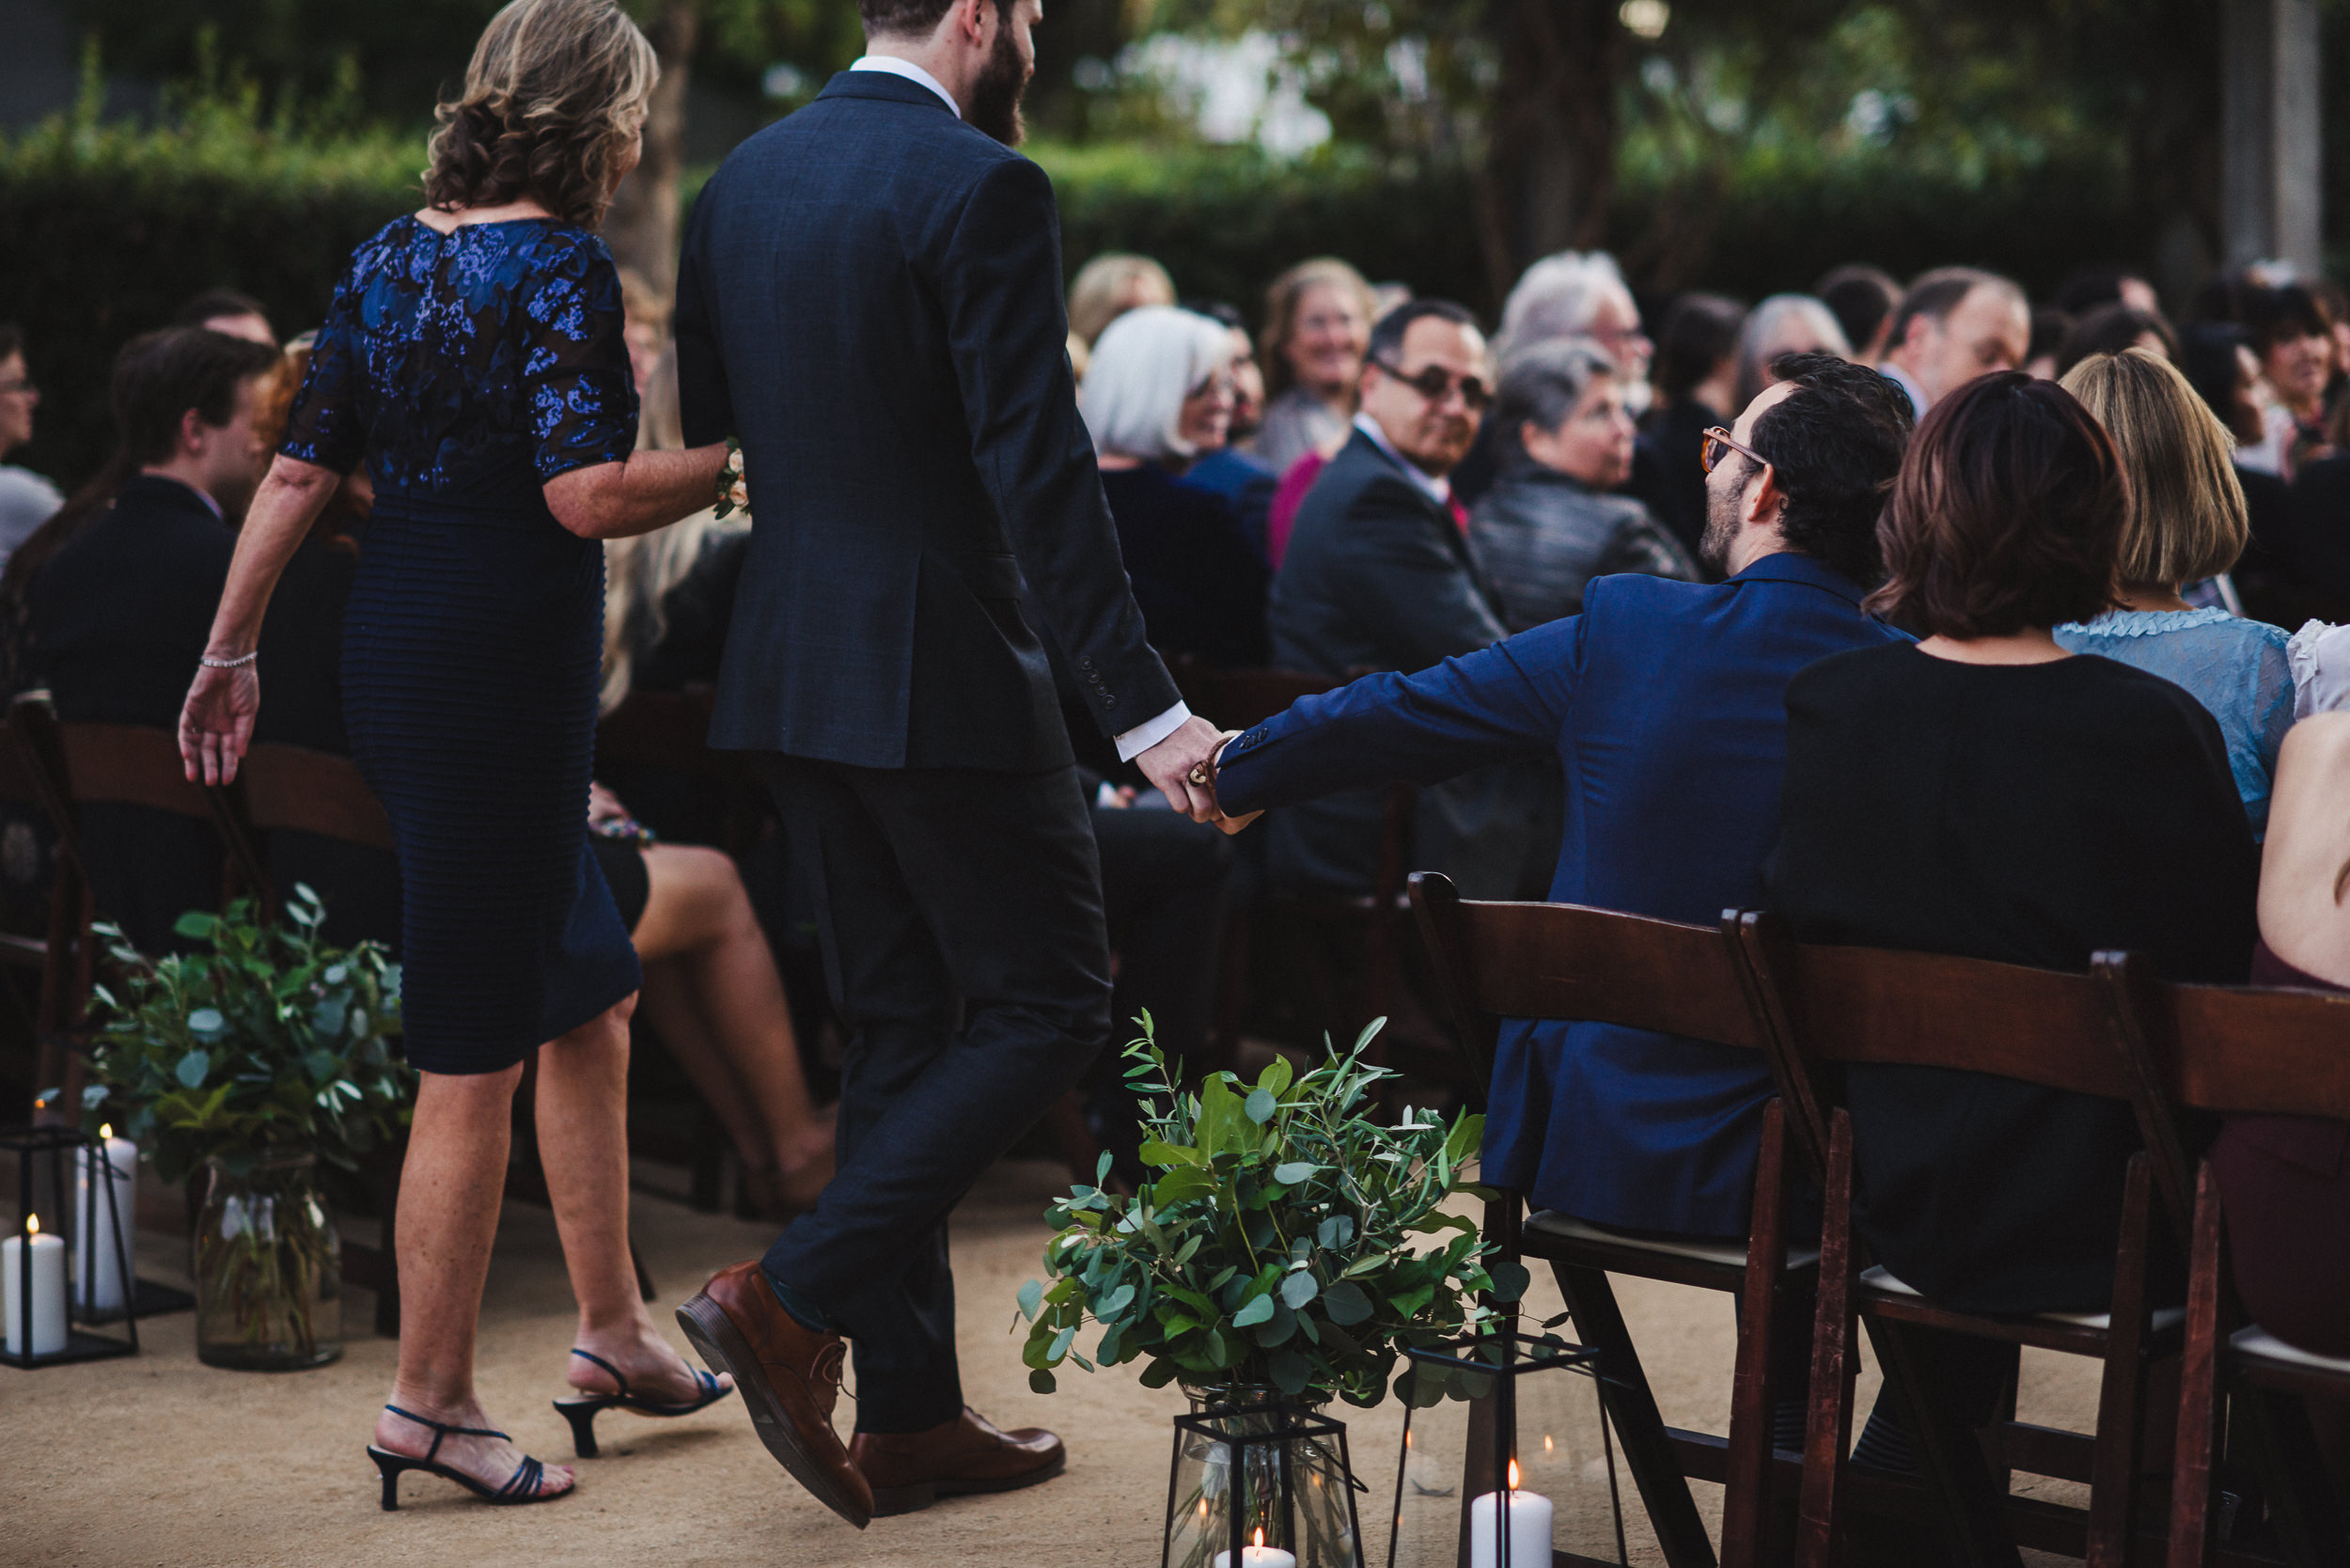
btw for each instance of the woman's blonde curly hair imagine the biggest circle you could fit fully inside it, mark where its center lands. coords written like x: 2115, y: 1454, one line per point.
x: 557, y: 90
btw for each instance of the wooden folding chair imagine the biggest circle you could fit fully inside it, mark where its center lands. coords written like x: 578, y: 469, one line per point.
x: 1543, y: 961
x: 70, y: 765
x: 2245, y: 1051
x: 672, y: 730
x: 1832, y: 1006
x: 49, y: 954
x: 1241, y: 700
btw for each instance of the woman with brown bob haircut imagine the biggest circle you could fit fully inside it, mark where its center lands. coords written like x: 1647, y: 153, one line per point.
x: 2186, y: 523
x: 1985, y: 792
x: 474, y: 362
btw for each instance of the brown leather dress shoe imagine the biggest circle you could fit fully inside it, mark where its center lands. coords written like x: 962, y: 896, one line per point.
x: 791, y: 1380
x: 914, y: 1469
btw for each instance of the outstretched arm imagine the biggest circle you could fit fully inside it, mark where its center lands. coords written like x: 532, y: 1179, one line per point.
x: 643, y: 492
x: 216, y: 723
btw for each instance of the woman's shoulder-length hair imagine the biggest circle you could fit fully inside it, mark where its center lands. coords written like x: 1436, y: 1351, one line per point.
x: 2007, y: 515
x: 1144, y: 364
x: 555, y: 90
x: 2188, y: 519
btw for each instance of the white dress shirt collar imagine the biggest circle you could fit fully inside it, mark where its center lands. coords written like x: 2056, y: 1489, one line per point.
x: 1439, y: 491
x: 893, y: 66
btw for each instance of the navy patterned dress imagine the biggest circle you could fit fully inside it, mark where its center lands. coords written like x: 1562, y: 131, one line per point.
x: 465, y: 370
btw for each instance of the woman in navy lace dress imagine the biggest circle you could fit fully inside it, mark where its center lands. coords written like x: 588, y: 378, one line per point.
x: 473, y: 359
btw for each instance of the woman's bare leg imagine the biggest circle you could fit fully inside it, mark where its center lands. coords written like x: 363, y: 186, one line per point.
x: 675, y: 1013
x: 449, y: 1191
x: 699, y: 914
x: 583, y: 1143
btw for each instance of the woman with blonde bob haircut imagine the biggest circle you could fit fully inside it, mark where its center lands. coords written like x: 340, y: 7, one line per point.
x: 1317, y: 329
x: 2187, y: 522
x: 475, y: 361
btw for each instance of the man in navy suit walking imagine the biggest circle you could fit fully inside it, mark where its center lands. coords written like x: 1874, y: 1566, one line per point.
x: 1664, y: 703
x: 869, y: 301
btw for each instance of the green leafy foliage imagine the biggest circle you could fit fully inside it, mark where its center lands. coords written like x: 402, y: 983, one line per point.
x: 1292, y: 1240
x: 267, y: 1044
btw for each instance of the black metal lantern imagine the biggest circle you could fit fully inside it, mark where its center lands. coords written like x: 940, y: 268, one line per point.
x: 1261, y: 1486
x: 48, y: 1319
x: 1507, y: 1458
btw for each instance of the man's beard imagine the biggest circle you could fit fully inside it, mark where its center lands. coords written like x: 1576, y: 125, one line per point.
x: 995, y: 106
x: 1721, y: 525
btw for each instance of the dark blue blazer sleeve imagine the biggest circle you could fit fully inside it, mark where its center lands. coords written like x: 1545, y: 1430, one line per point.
x: 1002, y: 297
x: 1498, y: 704
x: 706, y: 408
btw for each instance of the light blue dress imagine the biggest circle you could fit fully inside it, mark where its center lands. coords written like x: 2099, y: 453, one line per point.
x: 2235, y: 667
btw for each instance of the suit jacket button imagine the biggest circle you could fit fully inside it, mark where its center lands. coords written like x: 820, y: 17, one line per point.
x: 1085, y: 663
x: 1108, y: 701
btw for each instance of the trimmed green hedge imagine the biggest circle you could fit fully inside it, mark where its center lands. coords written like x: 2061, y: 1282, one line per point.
x: 108, y: 230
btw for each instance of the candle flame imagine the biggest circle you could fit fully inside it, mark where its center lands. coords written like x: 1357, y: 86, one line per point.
x: 32, y: 1224
x: 1549, y: 1446
x: 1513, y: 1475
x: 1260, y: 1535
x: 105, y: 1129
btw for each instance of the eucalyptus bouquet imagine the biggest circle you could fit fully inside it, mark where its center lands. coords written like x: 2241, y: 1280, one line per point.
x: 267, y: 1046
x: 1292, y: 1241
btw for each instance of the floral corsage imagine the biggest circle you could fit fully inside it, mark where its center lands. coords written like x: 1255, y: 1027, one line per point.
x: 734, y: 491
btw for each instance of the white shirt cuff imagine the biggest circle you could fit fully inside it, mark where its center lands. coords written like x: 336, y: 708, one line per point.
x: 1141, y: 738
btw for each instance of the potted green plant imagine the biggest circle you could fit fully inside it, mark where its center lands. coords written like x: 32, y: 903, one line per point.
x: 240, y: 1064
x: 1295, y: 1245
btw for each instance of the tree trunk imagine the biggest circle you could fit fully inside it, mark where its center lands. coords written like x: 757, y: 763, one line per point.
x: 642, y: 226
x: 1555, y: 126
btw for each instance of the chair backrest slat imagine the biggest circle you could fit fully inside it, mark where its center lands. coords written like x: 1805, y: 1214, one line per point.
x: 2257, y: 1051
x: 294, y: 789
x: 668, y: 729
x: 1929, y: 1009
x: 1239, y: 698
x: 130, y: 764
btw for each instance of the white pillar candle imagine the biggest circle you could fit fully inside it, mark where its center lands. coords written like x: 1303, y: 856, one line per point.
x: 1257, y: 1556
x: 48, y: 1280
x: 1529, y: 1530
x: 98, y: 1270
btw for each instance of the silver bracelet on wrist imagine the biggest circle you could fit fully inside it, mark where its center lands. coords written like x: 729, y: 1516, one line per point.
x: 210, y: 662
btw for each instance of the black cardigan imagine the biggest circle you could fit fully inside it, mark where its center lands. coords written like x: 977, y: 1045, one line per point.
x: 2030, y: 814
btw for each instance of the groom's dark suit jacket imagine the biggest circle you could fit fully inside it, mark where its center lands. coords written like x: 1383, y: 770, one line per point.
x: 897, y: 506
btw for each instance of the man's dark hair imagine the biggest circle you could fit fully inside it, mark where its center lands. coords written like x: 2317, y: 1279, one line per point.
x: 212, y: 304
x: 1936, y: 293
x: 2099, y: 283
x: 160, y: 375
x: 900, y: 19
x: 2008, y: 514
x: 2111, y: 328
x: 1701, y: 331
x: 1386, y: 337
x: 2272, y: 315
x: 1834, y: 444
x: 2048, y: 328
x: 1861, y: 298
x: 11, y: 339
x: 2208, y: 359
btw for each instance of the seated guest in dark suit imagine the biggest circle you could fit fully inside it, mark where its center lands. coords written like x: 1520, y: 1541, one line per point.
x: 1548, y: 525
x: 1663, y: 702
x: 1158, y: 396
x: 2284, y: 1181
x: 1985, y: 793
x: 121, y: 611
x: 1379, y: 576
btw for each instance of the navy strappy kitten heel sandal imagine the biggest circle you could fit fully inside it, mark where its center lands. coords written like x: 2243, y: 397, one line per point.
x: 520, y: 1487
x: 582, y: 1412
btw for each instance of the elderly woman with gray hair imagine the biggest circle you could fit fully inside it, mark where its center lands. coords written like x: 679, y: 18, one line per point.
x: 1547, y: 526
x: 1784, y: 325
x: 1157, y: 398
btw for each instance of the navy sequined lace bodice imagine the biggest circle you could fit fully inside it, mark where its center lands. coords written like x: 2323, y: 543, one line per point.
x: 471, y: 367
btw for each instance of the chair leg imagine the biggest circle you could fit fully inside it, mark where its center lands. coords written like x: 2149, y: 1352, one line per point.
x: 1746, y: 1493
x: 644, y: 1281
x: 1828, y: 1423
x: 2113, y: 1486
x: 387, y: 1274
x: 2307, y: 1519
x: 1970, y: 1505
x: 1648, y: 1453
x: 2198, y: 1378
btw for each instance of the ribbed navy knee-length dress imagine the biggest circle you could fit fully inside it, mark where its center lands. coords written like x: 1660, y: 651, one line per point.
x: 465, y: 370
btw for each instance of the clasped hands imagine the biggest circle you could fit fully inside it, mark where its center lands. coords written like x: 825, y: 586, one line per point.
x: 1184, y: 768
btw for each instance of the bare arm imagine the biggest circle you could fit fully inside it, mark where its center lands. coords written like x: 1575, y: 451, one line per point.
x: 216, y: 723
x: 643, y: 492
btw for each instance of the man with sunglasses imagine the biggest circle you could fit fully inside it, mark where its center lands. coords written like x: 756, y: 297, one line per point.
x: 1378, y: 575
x: 1665, y: 704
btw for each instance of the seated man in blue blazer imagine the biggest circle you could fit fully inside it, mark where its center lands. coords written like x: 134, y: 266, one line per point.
x: 1665, y: 704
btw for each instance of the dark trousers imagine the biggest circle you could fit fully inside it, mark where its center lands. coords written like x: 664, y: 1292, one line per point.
x: 960, y: 914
